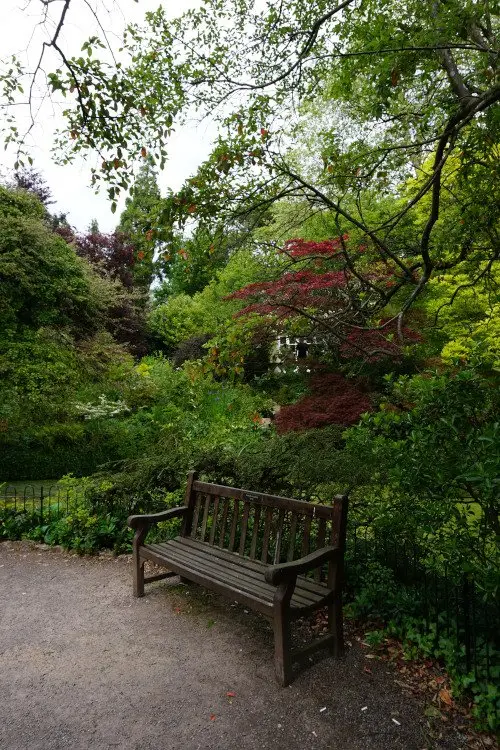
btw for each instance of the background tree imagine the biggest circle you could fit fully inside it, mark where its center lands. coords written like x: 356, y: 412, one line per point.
x: 34, y: 182
x: 402, y: 84
x: 139, y: 223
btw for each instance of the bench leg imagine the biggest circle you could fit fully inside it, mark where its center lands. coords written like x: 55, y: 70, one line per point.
x: 336, y: 627
x: 282, y: 640
x: 138, y: 575
x: 282, y: 658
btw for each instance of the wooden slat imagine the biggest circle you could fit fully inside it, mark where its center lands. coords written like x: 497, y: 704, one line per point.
x: 234, y: 525
x: 267, y: 532
x: 305, y: 536
x: 279, y: 536
x: 224, y: 522
x: 214, y: 520
x: 208, y: 500
x: 261, y: 498
x: 244, y: 525
x: 291, y: 543
x: 303, y: 654
x: 255, y: 533
x: 320, y: 542
x: 241, y: 575
x: 240, y: 579
x: 214, y: 584
x: 196, y: 515
x: 256, y: 565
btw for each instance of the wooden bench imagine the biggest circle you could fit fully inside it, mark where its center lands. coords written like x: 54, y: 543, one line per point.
x: 278, y: 556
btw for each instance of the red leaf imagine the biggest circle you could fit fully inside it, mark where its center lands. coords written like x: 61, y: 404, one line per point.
x: 230, y: 694
x: 212, y: 717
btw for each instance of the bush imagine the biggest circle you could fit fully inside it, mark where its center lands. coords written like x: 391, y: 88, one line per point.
x: 333, y: 400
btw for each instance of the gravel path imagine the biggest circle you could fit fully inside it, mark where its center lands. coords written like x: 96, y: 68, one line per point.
x: 85, y: 666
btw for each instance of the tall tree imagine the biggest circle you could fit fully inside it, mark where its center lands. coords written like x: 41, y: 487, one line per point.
x: 407, y: 85
x: 139, y: 222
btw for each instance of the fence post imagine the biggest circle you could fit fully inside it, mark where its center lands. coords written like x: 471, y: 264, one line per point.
x: 467, y: 628
x: 41, y: 504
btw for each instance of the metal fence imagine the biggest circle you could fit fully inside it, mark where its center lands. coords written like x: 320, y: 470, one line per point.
x: 448, y: 606
x: 44, y: 502
x: 444, y: 604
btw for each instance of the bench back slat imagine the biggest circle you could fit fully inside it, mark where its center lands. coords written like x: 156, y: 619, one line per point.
x: 196, y: 515
x: 244, y: 527
x: 214, y: 520
x: 293, y: 533
x: 305, y: 536
x: 320, y: 543
x: 267, y: 534
x: 279, y: 536
x: 223, y: 524
x: 255, y: 532
x: 234, y: 525
x: 261, y: 498
x: 207, y: 503
x: 263, y: 527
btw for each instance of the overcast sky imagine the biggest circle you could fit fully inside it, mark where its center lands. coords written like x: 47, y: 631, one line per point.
x: 21, y: 33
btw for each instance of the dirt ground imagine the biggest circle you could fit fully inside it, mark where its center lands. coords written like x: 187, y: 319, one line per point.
x: 85, y: 666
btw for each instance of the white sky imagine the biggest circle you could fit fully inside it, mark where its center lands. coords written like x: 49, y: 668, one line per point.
x: 20, y: 34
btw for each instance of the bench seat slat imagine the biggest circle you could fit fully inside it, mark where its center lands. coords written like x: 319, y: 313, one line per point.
x: 215, y: 584
x: 232, y: 574
x: 306, y: 583
x: 304, y: 597
x: 232, y: 579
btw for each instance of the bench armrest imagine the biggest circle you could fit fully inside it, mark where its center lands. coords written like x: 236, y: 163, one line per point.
x: 139, y: 522
x: 277, y: 574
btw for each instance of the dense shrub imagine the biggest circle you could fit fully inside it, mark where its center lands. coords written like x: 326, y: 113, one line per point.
x: 190, y: 349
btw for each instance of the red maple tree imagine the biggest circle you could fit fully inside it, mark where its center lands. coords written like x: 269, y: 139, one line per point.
x: 335, y: 298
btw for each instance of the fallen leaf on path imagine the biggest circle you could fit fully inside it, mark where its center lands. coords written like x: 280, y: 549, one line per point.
x: 445, y: 696
x: 213, y: 717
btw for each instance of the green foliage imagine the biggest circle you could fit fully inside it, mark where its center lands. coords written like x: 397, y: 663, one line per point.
x: 190, y: 263
x: 20, y: 203
x: 85, y: 532
x: 432, y: 453
x: 232, y: 341
x: 469, y: 327
x: 43, y: 282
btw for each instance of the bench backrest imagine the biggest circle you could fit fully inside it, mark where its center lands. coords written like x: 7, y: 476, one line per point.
x: 262, y: 527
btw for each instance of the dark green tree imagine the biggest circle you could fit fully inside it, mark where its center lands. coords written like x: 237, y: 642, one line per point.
x: 139, y: 222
